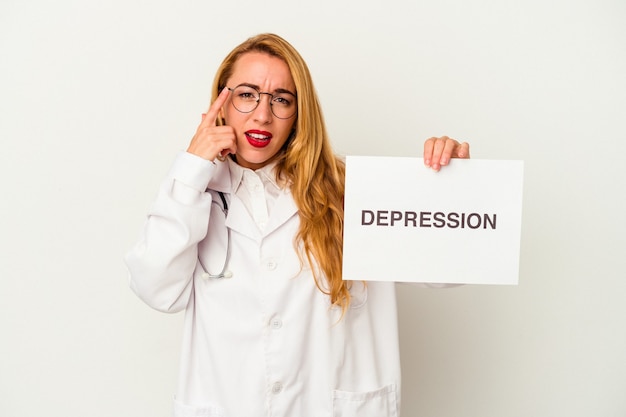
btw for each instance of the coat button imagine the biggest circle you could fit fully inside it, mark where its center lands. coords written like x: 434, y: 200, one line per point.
x: 271, y: 265
x: 276, y: 323
x: 277, y: 387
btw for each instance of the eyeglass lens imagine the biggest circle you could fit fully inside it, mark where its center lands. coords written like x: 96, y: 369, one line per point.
x: 246, y: 99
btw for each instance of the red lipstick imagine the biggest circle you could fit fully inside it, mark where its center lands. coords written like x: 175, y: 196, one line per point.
x: 258, y: 138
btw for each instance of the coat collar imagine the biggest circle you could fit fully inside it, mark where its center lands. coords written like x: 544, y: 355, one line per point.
x: 227, y: 179
x: 220, y: 181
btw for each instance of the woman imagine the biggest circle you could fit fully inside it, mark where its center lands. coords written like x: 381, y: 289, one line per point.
x: 246, y: 237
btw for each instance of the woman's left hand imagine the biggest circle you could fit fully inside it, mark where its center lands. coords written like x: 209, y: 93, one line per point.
x: 439, y: 151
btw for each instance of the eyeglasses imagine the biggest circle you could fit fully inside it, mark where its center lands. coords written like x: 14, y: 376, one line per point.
x: 246, y: 98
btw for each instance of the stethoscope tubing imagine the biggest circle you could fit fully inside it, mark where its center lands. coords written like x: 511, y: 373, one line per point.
x: 224, y: 273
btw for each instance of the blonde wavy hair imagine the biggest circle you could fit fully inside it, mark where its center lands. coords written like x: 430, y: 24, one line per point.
x: 308, y: 163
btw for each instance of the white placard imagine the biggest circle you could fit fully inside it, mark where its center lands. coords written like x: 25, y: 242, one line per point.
x: 405, y: 222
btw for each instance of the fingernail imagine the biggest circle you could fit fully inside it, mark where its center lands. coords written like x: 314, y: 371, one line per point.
x: 427, y: 162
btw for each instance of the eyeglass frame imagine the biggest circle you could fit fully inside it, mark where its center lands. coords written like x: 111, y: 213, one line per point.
x: 259, y: 100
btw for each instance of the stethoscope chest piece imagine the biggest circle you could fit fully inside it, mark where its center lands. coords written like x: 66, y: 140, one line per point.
x: 225, y: 274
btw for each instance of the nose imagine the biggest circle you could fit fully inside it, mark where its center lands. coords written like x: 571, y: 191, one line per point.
x: 263, y: 112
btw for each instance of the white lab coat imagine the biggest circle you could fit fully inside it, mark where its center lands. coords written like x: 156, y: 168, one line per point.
x: 264, y: 342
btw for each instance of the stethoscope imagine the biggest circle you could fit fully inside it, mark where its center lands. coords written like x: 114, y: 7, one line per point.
x: 224, y: 273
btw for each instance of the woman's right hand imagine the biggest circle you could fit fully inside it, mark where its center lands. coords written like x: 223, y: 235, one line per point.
x: 212, y: 141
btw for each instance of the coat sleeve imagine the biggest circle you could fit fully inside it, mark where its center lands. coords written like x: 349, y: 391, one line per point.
x: 161, y: 264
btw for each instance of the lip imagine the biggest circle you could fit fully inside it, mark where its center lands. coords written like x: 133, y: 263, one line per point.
x: 258, y: 138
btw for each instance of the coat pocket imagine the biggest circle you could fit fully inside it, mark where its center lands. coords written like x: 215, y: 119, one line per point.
x: 185, y: 410
x: 382, y: 402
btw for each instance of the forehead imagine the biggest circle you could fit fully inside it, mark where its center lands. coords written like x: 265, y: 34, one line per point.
x: 263, y: 70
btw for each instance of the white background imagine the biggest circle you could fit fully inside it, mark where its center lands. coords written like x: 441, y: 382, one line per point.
x: 97, y: 97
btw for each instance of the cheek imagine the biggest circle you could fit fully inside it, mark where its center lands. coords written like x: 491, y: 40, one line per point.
x: 286, y: 131
x: 290, y: 128
x: 231, y: 116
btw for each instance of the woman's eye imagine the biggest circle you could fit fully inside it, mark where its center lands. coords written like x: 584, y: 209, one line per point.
x: 247, y: 96
x: 283, y: 101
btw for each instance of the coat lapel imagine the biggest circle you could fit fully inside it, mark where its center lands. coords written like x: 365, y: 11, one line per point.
x: 284, y: 209
x: 239, y: 219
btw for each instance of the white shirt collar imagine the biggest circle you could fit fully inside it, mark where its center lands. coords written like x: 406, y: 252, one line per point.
x: 266, y: 173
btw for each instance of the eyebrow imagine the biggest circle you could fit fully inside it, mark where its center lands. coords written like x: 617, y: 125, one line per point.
x: 278, y: 90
